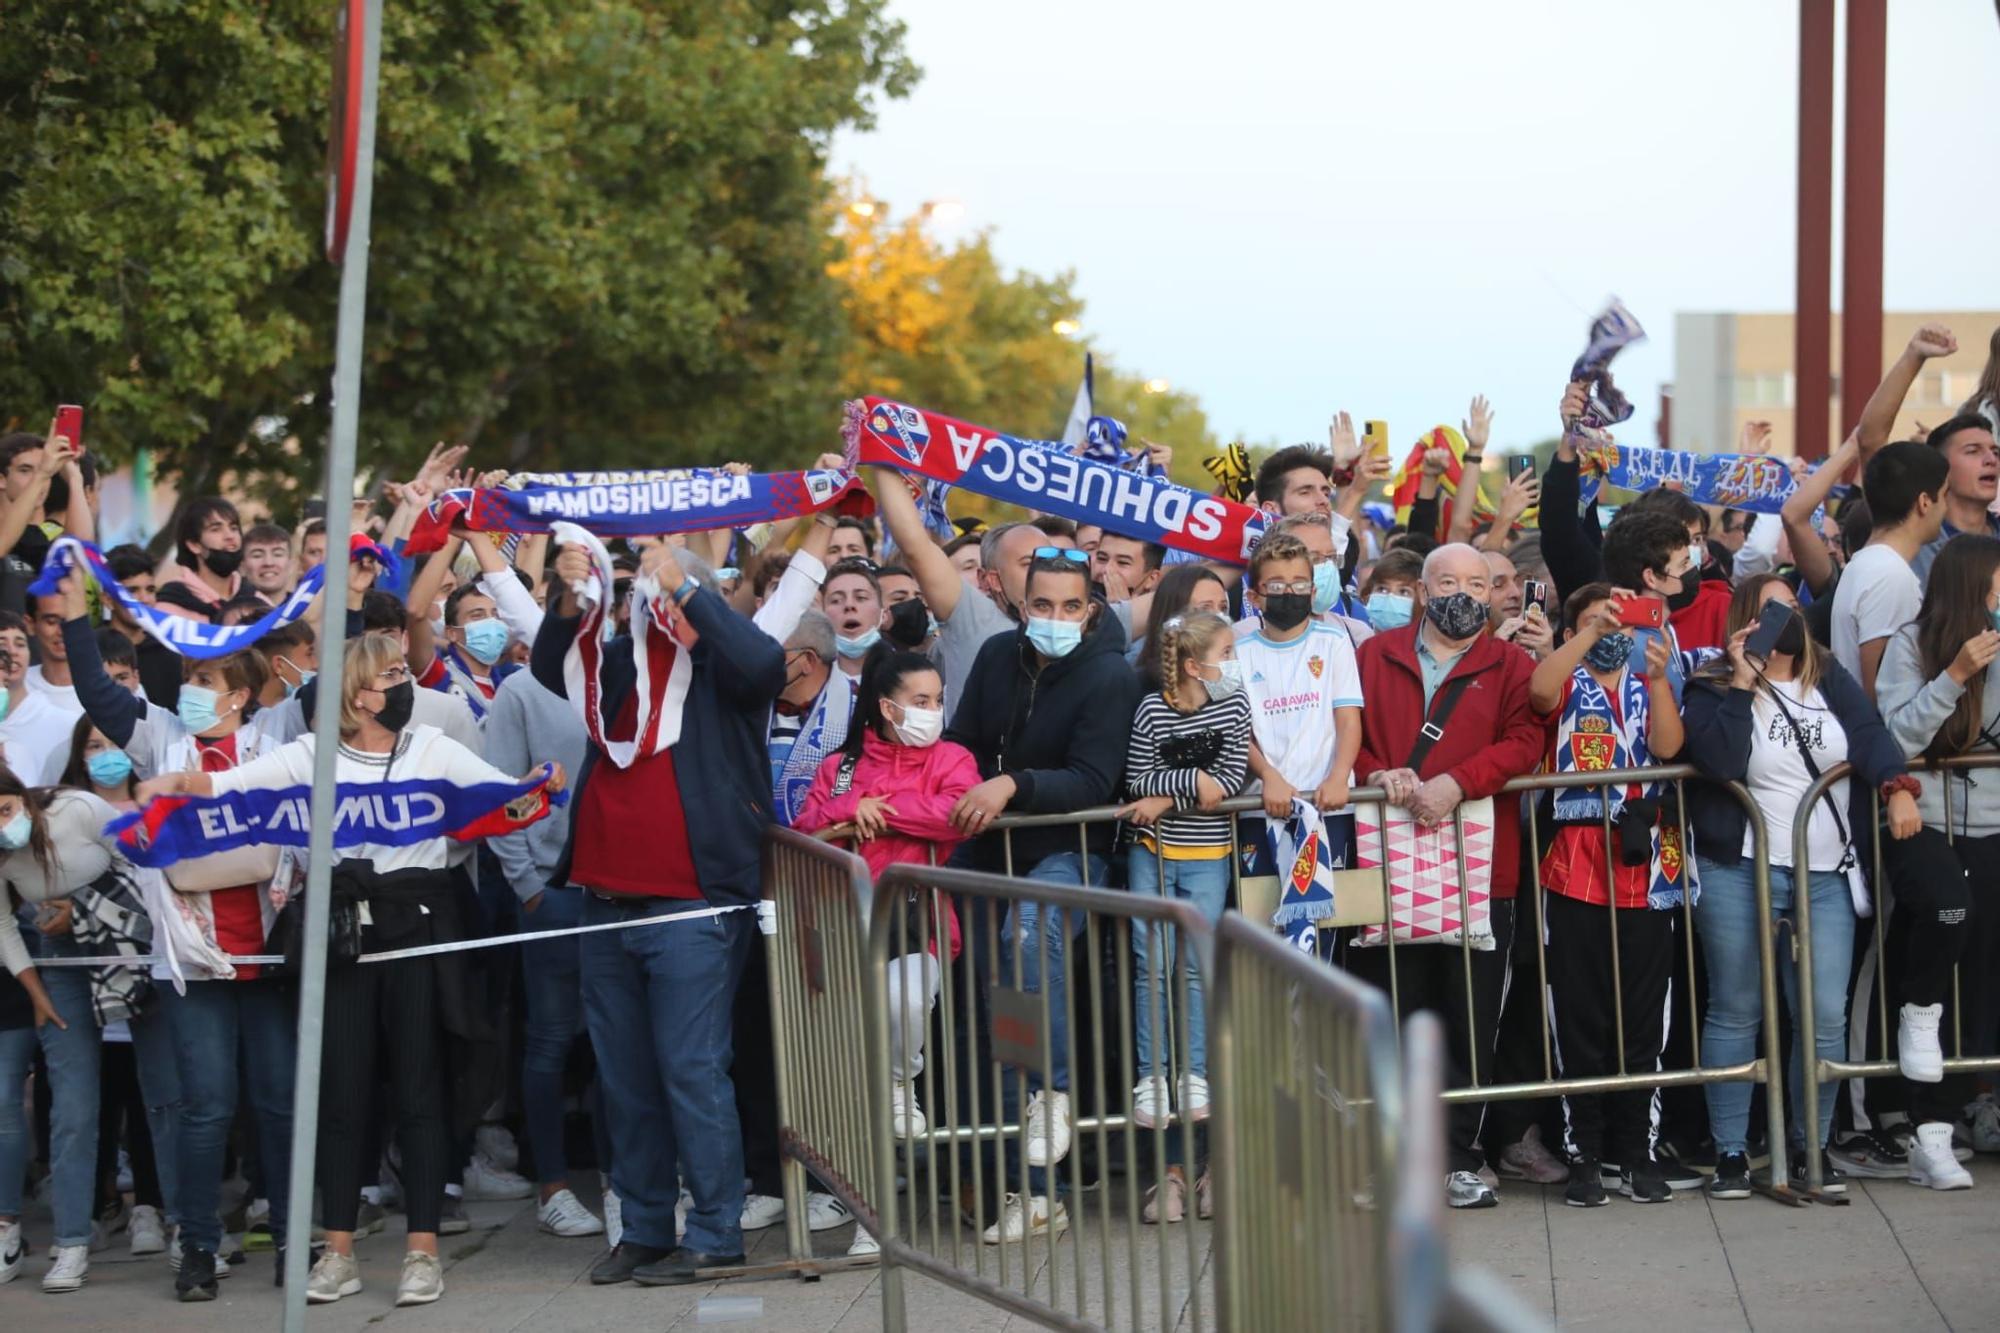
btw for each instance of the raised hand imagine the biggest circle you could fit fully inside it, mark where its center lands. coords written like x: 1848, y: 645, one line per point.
x: 1340, y: 437
x: 1932, y: 340
x: 442, y: 459
x: 1479, y: 425
x: 1576, y: 397
x: 1754, y: 438
x: 1520, y: 495
x: 1436, y: 461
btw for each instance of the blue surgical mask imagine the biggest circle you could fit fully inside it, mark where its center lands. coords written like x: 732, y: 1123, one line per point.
x: 486, y: 640
x: 15, y: 832
x: 857, y: 646
x: 1228, y: 681
x: 1993, y: 615
x: 304, y: 676
x: 1054, y: 638
x: 108, y: 768
x: 196, y: 708
x: 1326, y: 586
x: 1390, y: 610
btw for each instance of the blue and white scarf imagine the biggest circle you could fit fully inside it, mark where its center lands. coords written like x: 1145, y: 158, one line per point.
x: 1592, y: 737
x: 1104, y: 442
x: 460, y: 679
x: 1610, y: 333
x: 384, y: 814
x: 1305, y: 862
x: 824, y: 730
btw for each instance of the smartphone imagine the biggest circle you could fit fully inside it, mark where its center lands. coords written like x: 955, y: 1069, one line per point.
x: 1534, y: 592
x: 315, y: 508
x: 1519, y: 463
x: 1376, y: 440
x: 1763, y: 640
x: 1642, y: 613
x: 69, y: 425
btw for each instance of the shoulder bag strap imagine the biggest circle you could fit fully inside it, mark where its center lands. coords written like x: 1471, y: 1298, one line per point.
x: 1433, y: 729
x: 1813, y: 770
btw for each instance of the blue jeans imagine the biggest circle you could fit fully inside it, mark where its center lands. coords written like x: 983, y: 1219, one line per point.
x: 220, y: 1027
x: 160, y: 1086
x: 1726, y: 921
x: 659, y: 1002
x: 1026, y: 922
x: 73, y: 1055
x: 553, y: 992
x: 1205, y: 884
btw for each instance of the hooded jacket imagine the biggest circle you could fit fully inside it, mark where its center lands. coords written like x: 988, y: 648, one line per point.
x: 1915, y: 709
x: 1058, y: 729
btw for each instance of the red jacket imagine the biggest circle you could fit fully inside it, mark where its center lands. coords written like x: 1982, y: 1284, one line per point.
x: 922, y: 783
x: 1703, y: 623
x: 1491, y: 737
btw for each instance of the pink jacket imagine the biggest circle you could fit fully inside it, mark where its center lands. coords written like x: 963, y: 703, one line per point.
x: 922, y: 783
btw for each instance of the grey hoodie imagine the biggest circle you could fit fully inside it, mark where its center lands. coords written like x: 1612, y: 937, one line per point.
x: 527, y: 725
x: 1914, y: 707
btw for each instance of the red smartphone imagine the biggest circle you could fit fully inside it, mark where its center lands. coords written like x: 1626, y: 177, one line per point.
x: 69, y: 424
x: 1642, y: 613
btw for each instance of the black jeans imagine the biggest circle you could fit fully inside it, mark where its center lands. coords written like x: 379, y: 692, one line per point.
x: 1432, y: 976
x: 389, y: 1008
x: 1616, y: 1126
x: 1945, y: 912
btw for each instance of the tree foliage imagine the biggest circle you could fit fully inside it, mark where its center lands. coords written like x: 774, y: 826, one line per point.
x: 598, y: 226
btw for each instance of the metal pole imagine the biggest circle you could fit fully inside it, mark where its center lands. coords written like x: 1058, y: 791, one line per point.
x: 1861, y: 211
x: 326, y: 719
x: 1812, y: 320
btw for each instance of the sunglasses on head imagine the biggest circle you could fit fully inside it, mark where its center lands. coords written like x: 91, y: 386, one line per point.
x: 1069, y: 553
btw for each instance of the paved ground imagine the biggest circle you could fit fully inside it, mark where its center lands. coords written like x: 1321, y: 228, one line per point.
x: 1897, y: 1258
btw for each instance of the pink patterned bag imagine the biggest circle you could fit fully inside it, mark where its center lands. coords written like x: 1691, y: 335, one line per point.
x: 1422, y: 867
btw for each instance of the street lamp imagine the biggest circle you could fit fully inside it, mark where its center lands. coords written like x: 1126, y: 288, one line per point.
x: 862, y: 208
x: 1157, y: 386
x: 1068, y: 328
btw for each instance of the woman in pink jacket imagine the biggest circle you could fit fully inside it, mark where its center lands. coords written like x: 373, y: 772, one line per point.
x: 896, y: 783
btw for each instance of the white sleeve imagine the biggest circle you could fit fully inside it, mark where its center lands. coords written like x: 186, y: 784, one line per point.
x: 798, y: 588
x: 517, y: 605
x: 1759, y: 552
x: 287, y: 766
x: 451, y: 761
x: 1346, y: 674
x: 1341, y: 526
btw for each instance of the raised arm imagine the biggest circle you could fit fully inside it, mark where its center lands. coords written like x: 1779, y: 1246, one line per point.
x: 26, y: 508
x: 1809, y: 551
x: 937, y: 578
x: 113, y: 709
x: 1878, y: 417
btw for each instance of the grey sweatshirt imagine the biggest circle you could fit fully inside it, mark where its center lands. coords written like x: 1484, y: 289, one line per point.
x: 526, y: 726
x: 1915, y: 707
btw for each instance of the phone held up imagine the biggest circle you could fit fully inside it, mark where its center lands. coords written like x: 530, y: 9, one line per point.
x: 1518, y: 464
x: 1763, y: 640
x: 69, y: 425
x: 1376, y: 439
x: 1642, y: 613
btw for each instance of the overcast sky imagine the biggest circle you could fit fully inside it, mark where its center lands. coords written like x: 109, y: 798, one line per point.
x: 1289, y: 208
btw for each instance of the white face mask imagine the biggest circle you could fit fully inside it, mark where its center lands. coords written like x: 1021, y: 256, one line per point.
x: 1697, y: 555
x: 1229, y: 680
x: 920, y: 727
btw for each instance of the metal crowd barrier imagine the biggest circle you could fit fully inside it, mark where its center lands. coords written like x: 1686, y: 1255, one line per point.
x: 1957, y: 1060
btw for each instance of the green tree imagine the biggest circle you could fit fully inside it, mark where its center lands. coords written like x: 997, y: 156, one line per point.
x: 599, y: 228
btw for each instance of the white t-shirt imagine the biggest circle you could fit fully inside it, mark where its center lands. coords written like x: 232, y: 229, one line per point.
x: 1294, y: 689
x: 1778, y: 777
x: 62, y: 696
x: 34, y: 734
x: 1878, y: 594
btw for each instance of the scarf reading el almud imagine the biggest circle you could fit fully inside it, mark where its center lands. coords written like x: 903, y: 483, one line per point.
x: 198, y: 639
x: 636, y: 504
x: 1044, y: 475
x: 385, y: 814
x: 663, y: 669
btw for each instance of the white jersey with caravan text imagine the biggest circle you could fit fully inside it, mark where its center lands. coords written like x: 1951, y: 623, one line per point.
x: 1294, y: 689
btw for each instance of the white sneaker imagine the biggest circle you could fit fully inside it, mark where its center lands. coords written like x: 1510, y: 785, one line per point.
x: 422, y: 1281
x: 496, y: 1144
x: 1048, y: 1128
x: 1149, y: 1103
x: 487, y: 1180
x: 71, y: 1267
x: 98, y: 1241
x: 334, y: 1276
x: 614, y: 1216
x: 1917, y: 1049
x: 1194, y: 1097
x: 174, y: 1247
x: 682, y: 1207
x: 13, y: 1250
x: 564, y: 1215
x: 1932, y: 1161
x: 1021, y: 1218
x: 824, y: 1212
x: 148, y: 1233
x: 863, y: 1243
x: 1985, y: 1115
x: 906, y: 1118
x: 762, y: 1210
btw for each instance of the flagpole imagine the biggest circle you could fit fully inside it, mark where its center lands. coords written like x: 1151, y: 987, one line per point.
x: 339, y: 490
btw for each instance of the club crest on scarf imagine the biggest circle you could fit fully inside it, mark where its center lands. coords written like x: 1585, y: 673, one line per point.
x: 1592, y: 746
x: 902, y: 429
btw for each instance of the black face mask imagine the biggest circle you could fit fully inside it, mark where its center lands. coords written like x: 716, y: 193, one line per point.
x: 909, y: 623
x: 1791, y: 639
x: 1287, y: 610
x: 1690, y: 585
x: 222, y: 563
x: 398, y: 702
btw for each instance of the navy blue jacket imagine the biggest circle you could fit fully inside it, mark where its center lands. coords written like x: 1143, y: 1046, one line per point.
x: 723, y: 769
x: 1719, y: 721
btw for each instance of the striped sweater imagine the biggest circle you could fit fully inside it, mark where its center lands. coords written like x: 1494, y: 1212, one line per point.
x: 1169, y: 749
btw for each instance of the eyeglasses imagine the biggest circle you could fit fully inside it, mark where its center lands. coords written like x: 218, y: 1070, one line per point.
x: 394, y: 675
x: 1069, y: 553
x: 1276, y: 589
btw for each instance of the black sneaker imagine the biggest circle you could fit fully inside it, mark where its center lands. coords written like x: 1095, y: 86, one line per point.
x: 1682, y: 1172
x: 1645, y: 1183
x: 1586, y: 1187
x: 1831, y: 1179
x: 617, y: 1266
x: 1873, y: 1154
x: 196, y: 1280
x: 1732, y: 1177
x: 679, y: 1268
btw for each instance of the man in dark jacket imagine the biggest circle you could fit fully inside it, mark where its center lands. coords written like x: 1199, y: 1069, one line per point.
x: 1047, y: 710
x: 685, y: 753
x: 1489, y: 735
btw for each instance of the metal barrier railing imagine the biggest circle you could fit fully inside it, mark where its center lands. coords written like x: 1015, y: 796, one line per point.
x: 1829, y: 1071
x: 1077, y: 1261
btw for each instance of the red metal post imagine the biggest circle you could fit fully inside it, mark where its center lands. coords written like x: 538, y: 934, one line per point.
x: 1861, y: 214
x: 1812, y: 320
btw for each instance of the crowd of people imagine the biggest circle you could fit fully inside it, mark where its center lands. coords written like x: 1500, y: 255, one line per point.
x: 873, y: 681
